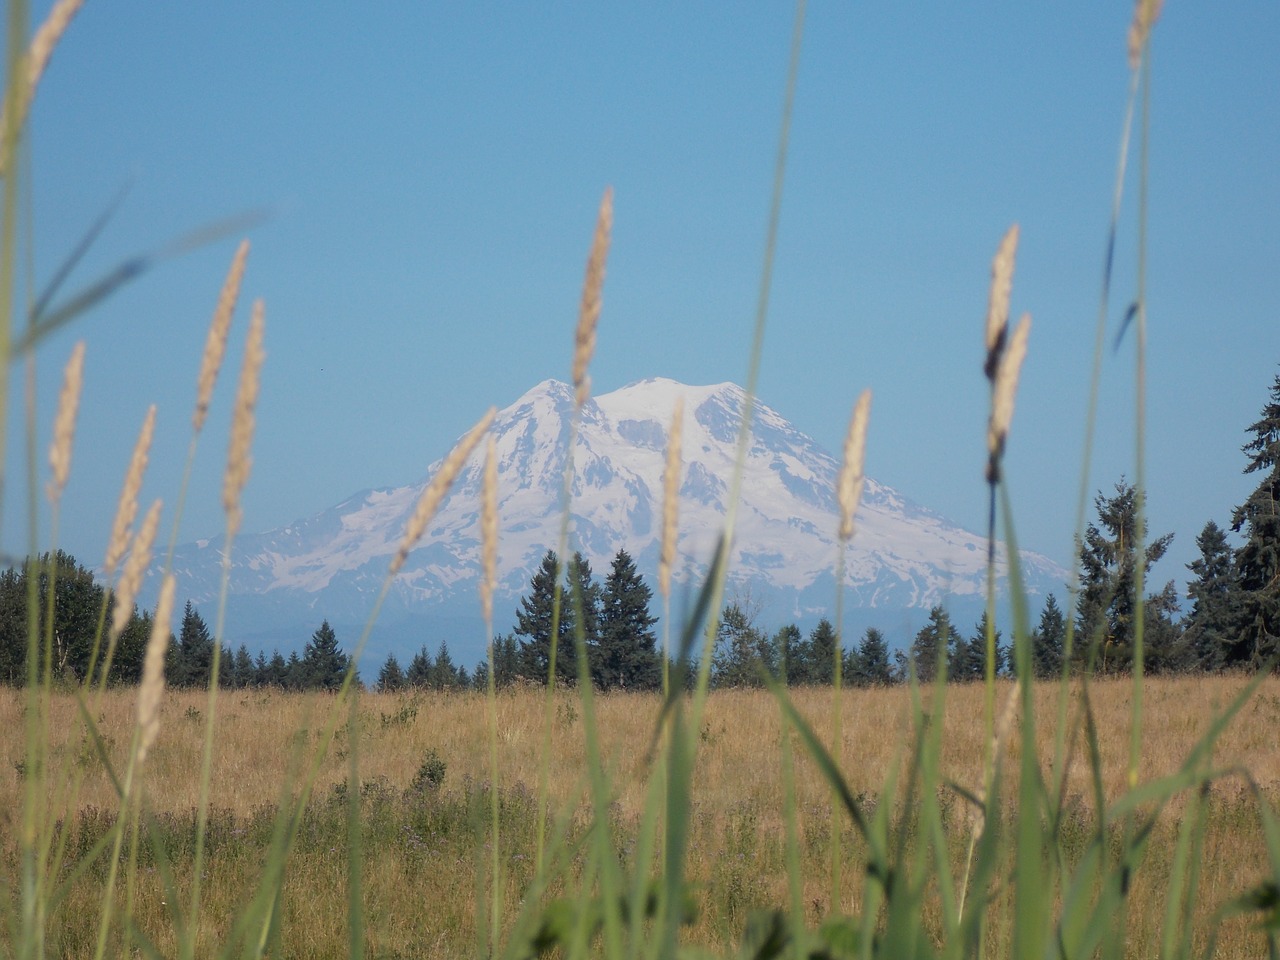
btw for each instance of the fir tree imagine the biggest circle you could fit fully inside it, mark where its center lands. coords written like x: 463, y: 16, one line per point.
x: 969, y: 659
x: 822, y: 653
x: 932, y: 644
x: 390, y: 678
x: 324, y: 666
x: 444, y: 675
x: 1212, y: 626
x: 533, y: 623
x: 242, y: 668
x: 421, y: 669
x: 870, y: 662
x: 294, y: 677
x: 193, y: 658
x: 277, y: 672
x: 1109, y: 577
x: 1047, y: 641
x: 742, y: 651
x: 625, y: 653
x: 793, y: 654
x: 1258, y: 559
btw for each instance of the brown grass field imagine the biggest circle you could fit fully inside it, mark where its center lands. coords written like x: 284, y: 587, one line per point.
x: 424, y: 866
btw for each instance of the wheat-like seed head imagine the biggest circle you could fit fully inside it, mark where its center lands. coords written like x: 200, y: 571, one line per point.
x: 851, y: 480
x: 671, y: 499
x: 38, y: 56
x: 1145, y: 15
x: 584, y: 340
x: 489, y: 530
x: 215, y: 344
x: 131, y: 576
x: 998, y: 301
x: 127, y: 505
x: 1002, y: 397
x: 436, y: 490
x: 238, y: 459
x: 64, y: 424
x: 151, y: 691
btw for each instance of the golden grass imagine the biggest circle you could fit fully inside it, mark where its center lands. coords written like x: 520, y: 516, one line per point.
x: 737, y: 822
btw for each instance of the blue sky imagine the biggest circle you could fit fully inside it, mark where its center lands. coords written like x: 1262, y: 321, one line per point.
x: 432, y: 173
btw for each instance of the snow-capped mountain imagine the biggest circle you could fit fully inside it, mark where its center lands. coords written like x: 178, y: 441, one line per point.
x: 903, y: 558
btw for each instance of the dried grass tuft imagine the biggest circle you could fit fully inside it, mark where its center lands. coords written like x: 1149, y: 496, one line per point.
x: 1145, y: 15
x: 127, y: 506
x: 584, y: 339
x: 151, y: 692
x: 436, y: 490
x: 238, y: 459
x: 998, y: 302
x: 64, y: 424
x: 851, y: 480
x: 489, y: 531
x: 671, y: 499
x: 1002, y: 397
x: 215, y: 344
x: 38, y: 56
x: 131, y: 576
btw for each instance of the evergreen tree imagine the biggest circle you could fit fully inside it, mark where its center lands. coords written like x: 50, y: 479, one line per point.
x: 13, y: 627
x: 277, y: 672
x: 193, y: 657
x: 390, y: 678
x: 1258, y: 559
x: 822, y: 653
x: 294, y: 676
x: 1212, y: 626
x: 506, y: 660
x: 870, y: 662
x: 1108, y: 578
x: 793, y: 654
x: 969, y: 659
x: 626, y: 654
x: 1047, y: 641
x: 261, y: 678
x: 242, y: 667
x: 324, y: 666
x: 421, y: 669
x: 533, y: 623
x: 932, y: 644
x: 444, y: 675
x: 742, y: 651
x: 480, y: 676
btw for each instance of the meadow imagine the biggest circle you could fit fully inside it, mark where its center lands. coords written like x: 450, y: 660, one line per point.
x: 424, y: 804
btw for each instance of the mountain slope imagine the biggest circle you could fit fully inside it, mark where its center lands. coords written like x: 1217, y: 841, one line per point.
x: 903, y: 556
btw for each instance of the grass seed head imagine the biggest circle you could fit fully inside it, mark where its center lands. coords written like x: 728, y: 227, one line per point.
x: 38, y: 55
x: 64, y: 424
x: 134, y: 570
x: 1145, y: 15
x: 238, y: 459
x: 998, y: 302
x: 671, y: 499
x: 436, y: 490
x: 1002, y: 397
x: 489, y: 530
x: 151, y: 691
x: 851, y: 480
x: 127, y: 506
x: 215, y: 344
x: 584, y: 340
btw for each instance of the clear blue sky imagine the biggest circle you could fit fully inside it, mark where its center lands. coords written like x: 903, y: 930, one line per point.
x: 433, y: 171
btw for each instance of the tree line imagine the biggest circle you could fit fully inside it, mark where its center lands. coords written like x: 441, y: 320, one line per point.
x: 1233, y: 619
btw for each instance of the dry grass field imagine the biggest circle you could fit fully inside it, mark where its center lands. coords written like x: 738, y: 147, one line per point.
x: 425, y: 843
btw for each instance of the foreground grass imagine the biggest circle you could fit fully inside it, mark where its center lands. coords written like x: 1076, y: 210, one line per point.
x: 425, y: 801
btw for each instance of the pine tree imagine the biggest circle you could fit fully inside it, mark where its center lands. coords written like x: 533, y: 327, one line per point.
x: 626, y: 654
x: 1258, y: 559
x: 931, y: 645
x: 193, y: 658
x: 822, y: 652
x: 390, y: 678
x: 444, y: 675
x: 421, y: 669
x: 242, y: 668
x: 741, y: 652
x: 324, y: 666
x: 533, y: 623
x: 1047, y: 641
x: 277, y: 673
x: 295, y: 677
x: 969, y: 658
x: 1108, y: 577
x: 261, y: 677
x: 1212, y: 626
x: 793, y: 654
x: 870, y: 662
